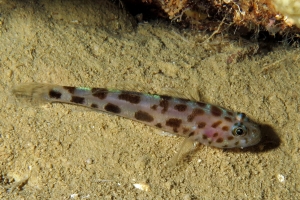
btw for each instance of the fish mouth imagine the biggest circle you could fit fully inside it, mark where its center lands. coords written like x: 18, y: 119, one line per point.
x: 255, y: 135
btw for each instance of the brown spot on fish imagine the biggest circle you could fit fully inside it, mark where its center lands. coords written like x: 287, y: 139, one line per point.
x: 112, y: 108
x: 180, y: 107
x: 94, y: 105
x: 195, y: 112
x: 165, y: 97
x: 236, y: 143
x: 54, y: 94
x: 158, y: 125
x: 225, y: 128
x: 130, y: 97
x: 185, y: 130
x: 76, y: 99
x: 230, y: 138
x: 215, y: 111
x: 164, y: 103
x: 201, y: 124
x: 192, y: 134
x: 201, y: 104
x: 101, y: 93
x: 70, y: 89
x: 216, y: 124
x: 225, y: 146
x: 229, y: 113
x: 154, y: 107
x: 215, y: 134
x: 174, y: 122
x: 204, y: 137
x: 219, y: 140
x: 228, y: 119
x: 143, y: 116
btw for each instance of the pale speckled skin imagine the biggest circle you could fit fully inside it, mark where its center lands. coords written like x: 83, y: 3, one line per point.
x: 201, y: 122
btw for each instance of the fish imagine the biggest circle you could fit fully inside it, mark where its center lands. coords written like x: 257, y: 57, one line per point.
x: 200, y: 122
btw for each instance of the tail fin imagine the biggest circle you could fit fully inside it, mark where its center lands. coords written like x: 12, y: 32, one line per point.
x: 36, y: 91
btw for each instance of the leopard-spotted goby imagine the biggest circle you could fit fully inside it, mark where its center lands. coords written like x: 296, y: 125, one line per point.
x: 201, y: 122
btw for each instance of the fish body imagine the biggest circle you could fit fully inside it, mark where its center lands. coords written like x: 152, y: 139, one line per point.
x: 201, y: 122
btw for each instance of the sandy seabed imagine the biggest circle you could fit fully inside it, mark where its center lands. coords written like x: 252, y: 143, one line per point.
x: 59, y: 151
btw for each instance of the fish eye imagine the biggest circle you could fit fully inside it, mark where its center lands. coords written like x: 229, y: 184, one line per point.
x: 239, y: 130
